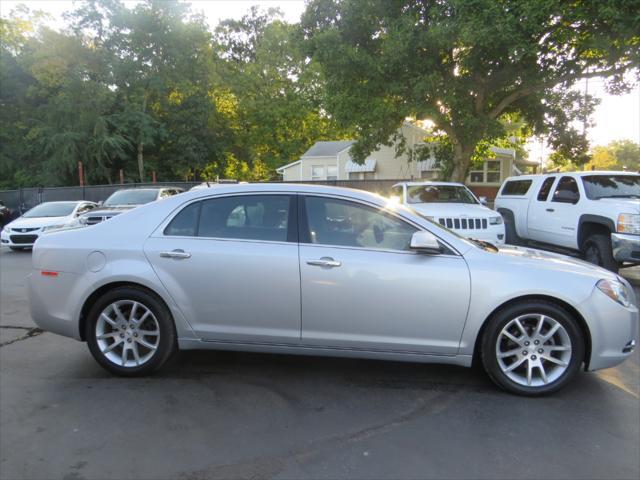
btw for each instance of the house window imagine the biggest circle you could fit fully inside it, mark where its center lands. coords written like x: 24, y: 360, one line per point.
x: 355, y: 176
x: 369, y: 175
x: 429, y: 174
x: 317, y: 172
x: 332, y: 172
x: 493, y: 171
x: 490, y: 172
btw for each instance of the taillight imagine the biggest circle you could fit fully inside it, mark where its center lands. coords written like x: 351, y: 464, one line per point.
x: 48, y: 273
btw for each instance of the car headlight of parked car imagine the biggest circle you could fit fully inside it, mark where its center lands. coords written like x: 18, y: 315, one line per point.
x: 495, y: 220
x: 629, y: 223
x: 616, y: 291
x: 48, y: 228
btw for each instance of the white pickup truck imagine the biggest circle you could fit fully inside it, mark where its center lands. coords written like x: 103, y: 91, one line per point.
x: 594, y: 213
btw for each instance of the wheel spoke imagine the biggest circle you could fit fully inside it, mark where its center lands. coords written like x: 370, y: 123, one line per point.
x: 132, y: 313
x: 146, y: 344
x: 543, y: 373
x: 529, y: 372
x: 509, y: 353
x: 136, y: 354
x: 551, y: 332
x: 112, y: 346
x: 151, y: 333
x: 521, y: 328
x: 511, y: 337
x: 104, y: 336
x: 539, y: 325
x: 107, y: 319
x: 557, y: 361
x: 118, y: 313
x: 515, y: 364
x: 139, y: 321
x: 558, y: 348
x: 125, y: 354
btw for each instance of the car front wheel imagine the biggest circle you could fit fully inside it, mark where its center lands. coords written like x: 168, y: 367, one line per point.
x: 130, y: 332
x: 597, y: 250
x: 532, y: 348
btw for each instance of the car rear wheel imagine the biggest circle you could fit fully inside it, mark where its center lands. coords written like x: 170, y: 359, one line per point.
x: 532, y: 348
x: 130, y: 332
x: 597, y: 250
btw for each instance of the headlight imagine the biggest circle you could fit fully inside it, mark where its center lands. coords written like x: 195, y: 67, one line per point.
x: 495, y: 220
x: 53, y: 227
x: 629, y: 223
x: 616, y: 291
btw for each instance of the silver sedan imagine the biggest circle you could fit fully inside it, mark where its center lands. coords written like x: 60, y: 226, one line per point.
x: 311, y: 270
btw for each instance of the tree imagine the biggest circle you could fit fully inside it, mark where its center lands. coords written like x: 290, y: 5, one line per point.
x: 465, y: 64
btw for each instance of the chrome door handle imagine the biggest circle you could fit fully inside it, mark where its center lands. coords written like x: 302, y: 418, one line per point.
x: 550, y: 210
x: 324, y: 262
x: 177, y: 253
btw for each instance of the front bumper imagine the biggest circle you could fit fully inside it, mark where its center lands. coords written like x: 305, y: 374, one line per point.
x: 16, y: 239
x: 612, y: 327
x: 626, y: 247
x: 493, y: 234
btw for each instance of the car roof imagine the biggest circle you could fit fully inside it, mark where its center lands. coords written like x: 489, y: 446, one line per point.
x: 577, y: 174
x: 425, y: 183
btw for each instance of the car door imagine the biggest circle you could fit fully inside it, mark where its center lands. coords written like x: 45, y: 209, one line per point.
x: 563, y: 223
x: 541, y: 212
x: 231, y: 265
x: 362, y: 288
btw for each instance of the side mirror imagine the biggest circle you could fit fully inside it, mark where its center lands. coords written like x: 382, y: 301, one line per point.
x: 425, y: 242
x: 100, y: 203
x: 483, y: 201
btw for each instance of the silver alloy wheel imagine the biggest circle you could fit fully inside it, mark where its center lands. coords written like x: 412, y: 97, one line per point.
x: 533, y: 350
x: 127, y: 333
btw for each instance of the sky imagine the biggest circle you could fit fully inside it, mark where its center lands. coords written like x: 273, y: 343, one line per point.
x: 616, y: 118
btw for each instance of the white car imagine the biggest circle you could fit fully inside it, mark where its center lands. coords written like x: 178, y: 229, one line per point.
x: 24, y: 231
x: 454, y: 206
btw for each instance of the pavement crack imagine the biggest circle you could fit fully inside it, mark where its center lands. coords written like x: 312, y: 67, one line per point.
x: 30, y: 332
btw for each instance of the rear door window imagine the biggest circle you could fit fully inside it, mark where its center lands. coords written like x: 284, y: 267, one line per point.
x: 543, y: 194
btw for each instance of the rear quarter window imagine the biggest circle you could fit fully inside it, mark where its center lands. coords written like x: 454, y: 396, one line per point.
x: 516, y: 187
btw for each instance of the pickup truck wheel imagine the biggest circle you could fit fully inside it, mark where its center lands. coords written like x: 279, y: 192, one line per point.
x: 532, y: 348
x: 597, y: 250
x: 510, y: 229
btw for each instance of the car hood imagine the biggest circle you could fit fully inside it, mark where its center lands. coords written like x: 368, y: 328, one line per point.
x: 624, y: 205
x: 108, y: 211
x: 38, y: 222
x: 552, y: 261
x: 453, y: 210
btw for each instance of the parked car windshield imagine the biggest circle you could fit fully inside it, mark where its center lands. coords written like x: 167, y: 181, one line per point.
x: 51, y: 209
x: 611, y: 186
x: 439, y: 194
x: 131, y: 197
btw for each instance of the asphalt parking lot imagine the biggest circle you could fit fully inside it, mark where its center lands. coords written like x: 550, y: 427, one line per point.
x: 233, y: 415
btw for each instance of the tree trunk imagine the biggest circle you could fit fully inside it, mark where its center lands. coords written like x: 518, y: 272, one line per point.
x: 461, y: 161
x: 140, y: 162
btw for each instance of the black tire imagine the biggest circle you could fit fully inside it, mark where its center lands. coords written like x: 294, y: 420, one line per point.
x: 167, y: 343
x: 512, y: 237
x: 503, y: 317
x: 597, y: 249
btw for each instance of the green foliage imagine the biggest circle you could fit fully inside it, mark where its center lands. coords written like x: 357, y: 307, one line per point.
x: 468, y: 64
x: 150, y: 87
x: 617, y: 155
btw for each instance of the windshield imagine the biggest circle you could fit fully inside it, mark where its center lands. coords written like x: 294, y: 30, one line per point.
x: 131, y: 197
x: 51, y: 209
x: 611, y: 186
x: 439, y: 194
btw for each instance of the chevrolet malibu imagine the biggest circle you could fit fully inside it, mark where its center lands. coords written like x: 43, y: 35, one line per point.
x: 312, y: 270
